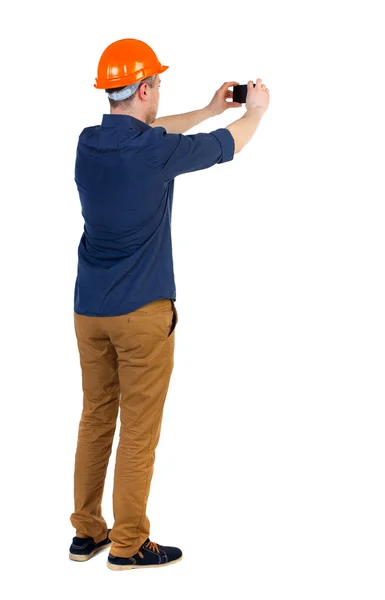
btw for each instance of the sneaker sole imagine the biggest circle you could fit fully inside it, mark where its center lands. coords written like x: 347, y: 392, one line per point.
x: 129, y: 567
x: 84, y: 557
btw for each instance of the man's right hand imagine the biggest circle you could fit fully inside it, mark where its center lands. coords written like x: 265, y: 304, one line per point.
x: 257, y: 102
x: 258, y: 96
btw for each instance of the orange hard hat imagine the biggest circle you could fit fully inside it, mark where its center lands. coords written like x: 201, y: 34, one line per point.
x: 126, y: 61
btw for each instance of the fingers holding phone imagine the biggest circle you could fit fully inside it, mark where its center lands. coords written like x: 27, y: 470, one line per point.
x: 255, y: 95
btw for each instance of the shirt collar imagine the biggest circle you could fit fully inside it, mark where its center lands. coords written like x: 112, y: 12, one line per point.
x: 124, y: 122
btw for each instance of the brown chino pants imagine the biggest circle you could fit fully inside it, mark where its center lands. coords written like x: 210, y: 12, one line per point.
x: 126, y: 362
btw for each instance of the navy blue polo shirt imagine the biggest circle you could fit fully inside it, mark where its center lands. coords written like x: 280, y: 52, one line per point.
x: 124, y: 173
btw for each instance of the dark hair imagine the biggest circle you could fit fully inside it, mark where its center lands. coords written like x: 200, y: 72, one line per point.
x: 126, y: 103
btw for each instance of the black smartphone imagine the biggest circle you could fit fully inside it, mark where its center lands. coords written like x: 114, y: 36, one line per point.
x: 240, y: 93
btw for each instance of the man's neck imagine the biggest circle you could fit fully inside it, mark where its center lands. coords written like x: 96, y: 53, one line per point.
x: 128, y: 114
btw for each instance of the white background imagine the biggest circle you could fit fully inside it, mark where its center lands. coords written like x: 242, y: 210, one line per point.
x: 269, y: 472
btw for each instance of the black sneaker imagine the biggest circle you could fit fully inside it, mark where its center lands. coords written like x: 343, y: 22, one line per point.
x: 149, y: 555
x: 84, y: 548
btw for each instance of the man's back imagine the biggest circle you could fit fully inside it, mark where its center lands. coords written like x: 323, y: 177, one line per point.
x: 125, y: 173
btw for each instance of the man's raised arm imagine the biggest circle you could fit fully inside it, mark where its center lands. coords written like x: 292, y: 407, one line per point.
x: 185, y: 122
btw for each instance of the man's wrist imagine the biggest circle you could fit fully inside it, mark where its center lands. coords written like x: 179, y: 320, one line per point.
x: 255, y: 112
x: 209, y: 112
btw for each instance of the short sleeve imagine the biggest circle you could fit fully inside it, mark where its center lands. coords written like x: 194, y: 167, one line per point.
x: 175, y: 153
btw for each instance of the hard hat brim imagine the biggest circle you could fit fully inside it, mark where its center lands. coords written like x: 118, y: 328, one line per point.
x: 115, y: 82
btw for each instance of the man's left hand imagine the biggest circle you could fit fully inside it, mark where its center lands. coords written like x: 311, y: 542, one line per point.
x: 220, y: 103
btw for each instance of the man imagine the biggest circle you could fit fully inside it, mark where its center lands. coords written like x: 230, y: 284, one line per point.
x: 124, y: 304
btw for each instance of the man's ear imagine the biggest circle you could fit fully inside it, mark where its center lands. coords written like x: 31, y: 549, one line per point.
x: 143, y: 91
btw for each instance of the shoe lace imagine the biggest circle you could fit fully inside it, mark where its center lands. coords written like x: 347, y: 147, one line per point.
x: 151, y: 546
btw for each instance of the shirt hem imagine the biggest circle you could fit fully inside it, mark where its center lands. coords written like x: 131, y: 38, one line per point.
x: 132, y: 307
